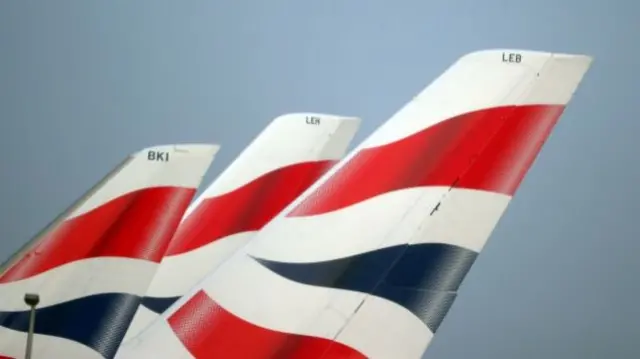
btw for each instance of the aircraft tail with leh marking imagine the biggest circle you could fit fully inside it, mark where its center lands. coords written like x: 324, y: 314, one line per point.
x: 289, y: 155
x: 92, y: 265
x: 368, y: 261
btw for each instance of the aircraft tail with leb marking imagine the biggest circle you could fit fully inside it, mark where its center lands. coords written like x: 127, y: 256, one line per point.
x: 368, y: 261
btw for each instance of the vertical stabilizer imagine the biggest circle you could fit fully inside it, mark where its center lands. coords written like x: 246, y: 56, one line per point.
x: 92, y: 265
x: 368, y: 261
x: 291, y: 153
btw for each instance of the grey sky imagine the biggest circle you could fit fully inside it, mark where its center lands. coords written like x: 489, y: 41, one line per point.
x: 83, y: 83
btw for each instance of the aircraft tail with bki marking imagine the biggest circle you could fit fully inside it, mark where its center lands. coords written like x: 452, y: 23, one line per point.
x: 368, y: 261
x: 92, y: 265
x: 291, y: 153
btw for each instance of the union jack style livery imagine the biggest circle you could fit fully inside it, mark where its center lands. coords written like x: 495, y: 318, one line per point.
x: 367, y: 262
x: 92, y: 266
x: 287, y: 157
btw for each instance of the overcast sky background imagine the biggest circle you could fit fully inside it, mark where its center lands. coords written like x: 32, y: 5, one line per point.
x: 84, y: 83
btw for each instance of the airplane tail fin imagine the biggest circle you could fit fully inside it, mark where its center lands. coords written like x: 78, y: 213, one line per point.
x: 369, y: 260
x: 291, y: 153
x: 91, y: 266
